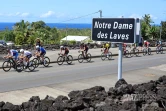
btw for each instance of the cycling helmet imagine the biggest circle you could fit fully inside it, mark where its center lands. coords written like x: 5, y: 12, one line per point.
x: 61, y: 47
x: 37, y: 47
x: 21, y: 50
x: 7, y: 50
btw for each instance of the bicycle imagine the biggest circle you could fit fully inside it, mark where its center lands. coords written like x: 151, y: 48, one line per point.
x: 38, y: 60
x: 63, y: 58
x: 106, y: 55
x: 159, y: 50
x: 134, y: 51
x: 22, y: 66
x: 146, y: 51
x: 81, y: 57
x: 8, y: 63
x: 126, y: 53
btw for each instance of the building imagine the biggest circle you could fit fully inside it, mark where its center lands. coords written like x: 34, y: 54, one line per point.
x: 78, y: 39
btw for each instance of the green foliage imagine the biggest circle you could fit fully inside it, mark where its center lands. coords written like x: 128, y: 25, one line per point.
x: 72, y: 42
x: 25, y: 32
x: 163, y: 34
x: 19, y: 40
x: 31, y: 39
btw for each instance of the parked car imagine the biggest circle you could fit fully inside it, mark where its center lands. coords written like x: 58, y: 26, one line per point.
x: 2, y: 42
x: 10, y: 43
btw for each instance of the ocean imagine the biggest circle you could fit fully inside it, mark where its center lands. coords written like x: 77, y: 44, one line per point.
x: 57, y: 25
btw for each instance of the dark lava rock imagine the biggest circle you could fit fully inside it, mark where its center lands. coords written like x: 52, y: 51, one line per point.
x: 120, y: 82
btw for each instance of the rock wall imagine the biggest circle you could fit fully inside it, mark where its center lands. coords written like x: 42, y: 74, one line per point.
x: 149, y: 96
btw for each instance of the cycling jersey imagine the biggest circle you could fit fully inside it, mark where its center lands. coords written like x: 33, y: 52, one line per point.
x: 14, y: 53
x: 66, y: 51
x: 42, y: 50
x: 106, y: 45
x: 27, y: 54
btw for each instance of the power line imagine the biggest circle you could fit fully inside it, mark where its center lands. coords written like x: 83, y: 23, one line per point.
x: 79, y: 17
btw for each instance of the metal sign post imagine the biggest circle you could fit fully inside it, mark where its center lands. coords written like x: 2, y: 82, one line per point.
x: 117, y: 30
x: 120, y: 61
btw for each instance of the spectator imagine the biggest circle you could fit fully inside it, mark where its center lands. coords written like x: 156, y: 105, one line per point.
x: 141, y: 43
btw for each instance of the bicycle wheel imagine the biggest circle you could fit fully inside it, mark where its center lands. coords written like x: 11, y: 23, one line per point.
x: 36, y: 60
x: 149, y: 51
x: 46, y: 62
x: 6, y: 66
x: 60, y: 60
x: 19, y: 67
x: 131, y: 53
x: 144, y: 52
x: 157, y: 50
x: 136, y: 52
x: 88, y: 57
x: 80, y: 58
x: 103, y: 56
x: 127, y: 53
x: 161, y: 50
x: 109, y: 55
x: 69, y: 59
x: 31, y: 66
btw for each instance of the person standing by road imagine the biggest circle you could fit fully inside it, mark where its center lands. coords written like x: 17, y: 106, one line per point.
x: 140, y: 43
x: 38, y: 43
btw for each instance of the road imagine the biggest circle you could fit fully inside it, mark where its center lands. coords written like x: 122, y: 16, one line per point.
x: 54, y: 74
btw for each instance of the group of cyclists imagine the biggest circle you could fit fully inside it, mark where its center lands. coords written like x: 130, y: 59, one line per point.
x: 26, y: 55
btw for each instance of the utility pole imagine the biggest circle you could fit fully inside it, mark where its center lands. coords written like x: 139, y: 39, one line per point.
x: 100, y: 13
x: 160, y: 30
x: 66, y: 34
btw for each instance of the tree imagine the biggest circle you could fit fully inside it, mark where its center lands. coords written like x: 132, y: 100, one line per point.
x: 163, y: 34
x: 145, y: 26
x: 19, y: 40
x: 152, y: 32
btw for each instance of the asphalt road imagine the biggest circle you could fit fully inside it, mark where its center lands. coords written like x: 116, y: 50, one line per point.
x: 60, y: 74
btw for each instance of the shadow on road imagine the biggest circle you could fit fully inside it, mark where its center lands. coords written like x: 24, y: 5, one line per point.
x: 46, y: 67
x: 31, y: 71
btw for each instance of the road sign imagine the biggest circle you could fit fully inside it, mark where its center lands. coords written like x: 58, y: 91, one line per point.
x: 114, y: 29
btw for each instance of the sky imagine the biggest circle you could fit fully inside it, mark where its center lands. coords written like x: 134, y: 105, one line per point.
x: 79, y: 11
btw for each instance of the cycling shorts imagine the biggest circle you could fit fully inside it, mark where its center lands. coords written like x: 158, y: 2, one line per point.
x: 29, y: 56
x: 43, y: 54
x: 66, y: 52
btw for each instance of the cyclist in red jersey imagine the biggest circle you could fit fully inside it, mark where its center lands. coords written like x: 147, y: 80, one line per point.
x: 146, y: 44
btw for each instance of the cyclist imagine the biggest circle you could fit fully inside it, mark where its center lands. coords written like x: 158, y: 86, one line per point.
x: 12, y: 53
x: 40, y: 52
x: 106, y: 48
x: 66, y: 50
x: 124, y: 48
x: 86, y: 48
x: 146, y: 44
x: 158, y: 43
x: 25, y: 55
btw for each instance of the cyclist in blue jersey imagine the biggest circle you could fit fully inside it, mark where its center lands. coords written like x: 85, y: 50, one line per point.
x: 159, y: 43
x: 12, y: 53
x: 40, y: 52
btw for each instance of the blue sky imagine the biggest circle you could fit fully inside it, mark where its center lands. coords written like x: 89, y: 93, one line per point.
x: 56, y: 11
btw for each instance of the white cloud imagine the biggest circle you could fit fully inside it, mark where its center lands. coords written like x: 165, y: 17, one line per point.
x: 24, y: 14
x: 17, y: 14
x: 49, y: 13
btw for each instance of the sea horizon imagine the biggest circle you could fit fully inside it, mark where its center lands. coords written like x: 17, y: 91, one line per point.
x: 9, y: 25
